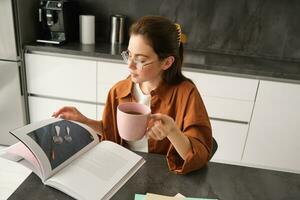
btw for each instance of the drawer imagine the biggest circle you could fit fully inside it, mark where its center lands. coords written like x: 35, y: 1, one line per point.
x: 61, y: 77
x: 42, y: 108
x: 226, y: 97
x: 231, y: 139
x: 108, y: 74
x: 224, y: 86
x: 228, y: 109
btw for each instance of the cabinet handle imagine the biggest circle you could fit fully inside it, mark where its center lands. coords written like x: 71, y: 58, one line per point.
x: 228, y: 120
x: 20, y: 79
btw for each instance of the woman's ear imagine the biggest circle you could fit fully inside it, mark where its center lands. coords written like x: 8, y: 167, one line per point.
x: 167, y: 62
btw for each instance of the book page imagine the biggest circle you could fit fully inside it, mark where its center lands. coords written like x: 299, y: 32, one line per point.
x: 12, y: 157
x: 56, y: 142
x: 20, y: 153
x: 99, y: 173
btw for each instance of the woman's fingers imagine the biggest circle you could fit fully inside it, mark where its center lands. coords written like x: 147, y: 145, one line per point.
x: 70, y: 113
x: 159, y: 116
x: 57, y: 113
x: 165, y: 119
x: 62, y: 111
x: 163, y: 126
x: 156, y: 132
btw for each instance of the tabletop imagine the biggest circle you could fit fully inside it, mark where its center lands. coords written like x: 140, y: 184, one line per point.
x: 216, y: 181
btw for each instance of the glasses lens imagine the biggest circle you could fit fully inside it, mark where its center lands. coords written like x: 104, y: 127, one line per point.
x: 125, y: 56
x: 139, y: 64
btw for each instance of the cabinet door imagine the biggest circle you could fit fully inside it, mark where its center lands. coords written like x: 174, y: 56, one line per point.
x: 226, y: 97
x: 42, y: 108
x: 12, y: 113
x: 228, y: 109
x: 231, y: 140
x: 224, y: 86
x: 274, y: 134
x: 109, y: 73
x: 8, y: 48
x: 61, y: 77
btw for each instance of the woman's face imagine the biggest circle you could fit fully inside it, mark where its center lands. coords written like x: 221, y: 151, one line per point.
x: 144, y: 64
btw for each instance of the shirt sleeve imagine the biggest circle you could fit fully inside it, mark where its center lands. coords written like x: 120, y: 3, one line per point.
x: 197, y: 128
x: 109, y: 119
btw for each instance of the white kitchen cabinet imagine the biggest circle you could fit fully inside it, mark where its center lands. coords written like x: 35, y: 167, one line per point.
x: 62, y: 77
x: 228, y: 109
x: 55, y: 81
x: 229, y: 102
x: 108, y: 74
x: 226, y: 97
x: 224, y: 86
x: 231, y: 139
x: 256, y: 129
x: 12, y: 112
x: 42, y: 108
x: 274, y: 134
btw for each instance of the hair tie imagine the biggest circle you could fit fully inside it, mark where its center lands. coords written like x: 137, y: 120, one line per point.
x: 181, y: 37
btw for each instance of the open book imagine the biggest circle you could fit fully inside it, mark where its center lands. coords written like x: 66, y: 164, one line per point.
x: 67, y: 155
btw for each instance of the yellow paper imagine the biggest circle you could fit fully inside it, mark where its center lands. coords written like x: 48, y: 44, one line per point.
x: 151, y: 196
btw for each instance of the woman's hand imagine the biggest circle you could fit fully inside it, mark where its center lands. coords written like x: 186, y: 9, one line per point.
x: 70, y: 113
x: 163, y: 126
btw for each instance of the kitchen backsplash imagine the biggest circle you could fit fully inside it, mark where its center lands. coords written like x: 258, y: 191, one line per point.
x: 259, y: 28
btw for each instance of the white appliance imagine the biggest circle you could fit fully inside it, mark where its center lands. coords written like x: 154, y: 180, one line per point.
x: 12, y: 109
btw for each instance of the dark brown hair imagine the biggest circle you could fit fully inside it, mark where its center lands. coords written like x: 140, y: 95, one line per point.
x: 162, y: 35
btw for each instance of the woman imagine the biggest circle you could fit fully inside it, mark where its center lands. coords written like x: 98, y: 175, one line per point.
x: 180, y: 126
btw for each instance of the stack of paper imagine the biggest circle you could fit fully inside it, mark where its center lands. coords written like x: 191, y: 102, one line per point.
x: 150, y: 196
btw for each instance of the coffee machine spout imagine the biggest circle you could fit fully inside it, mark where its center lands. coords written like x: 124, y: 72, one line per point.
x: 49, y: 16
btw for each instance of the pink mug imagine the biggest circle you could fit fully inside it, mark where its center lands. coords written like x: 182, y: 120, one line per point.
x: 132, y: 120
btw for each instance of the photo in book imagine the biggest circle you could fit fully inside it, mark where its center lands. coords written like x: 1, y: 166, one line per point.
x: 58, y: 141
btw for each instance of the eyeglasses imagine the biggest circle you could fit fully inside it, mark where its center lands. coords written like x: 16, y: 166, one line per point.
x: 140, y: 64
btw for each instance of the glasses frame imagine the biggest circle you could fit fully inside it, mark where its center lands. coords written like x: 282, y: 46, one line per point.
x: 139, y: 65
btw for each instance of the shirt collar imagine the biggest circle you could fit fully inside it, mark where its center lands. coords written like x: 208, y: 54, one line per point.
x: 125, y: 88
x: 163, y: 91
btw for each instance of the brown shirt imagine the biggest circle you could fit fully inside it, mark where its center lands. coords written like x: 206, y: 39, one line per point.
x: 183, y: 103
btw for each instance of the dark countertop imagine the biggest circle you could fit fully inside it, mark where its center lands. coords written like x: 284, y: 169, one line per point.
x: 220, y: 181
x: 208, y: 62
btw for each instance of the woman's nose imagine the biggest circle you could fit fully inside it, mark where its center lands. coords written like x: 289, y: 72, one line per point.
x: 131, y: 64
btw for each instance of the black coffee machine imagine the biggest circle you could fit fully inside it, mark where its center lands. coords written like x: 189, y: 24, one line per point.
x: 58, y: 21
